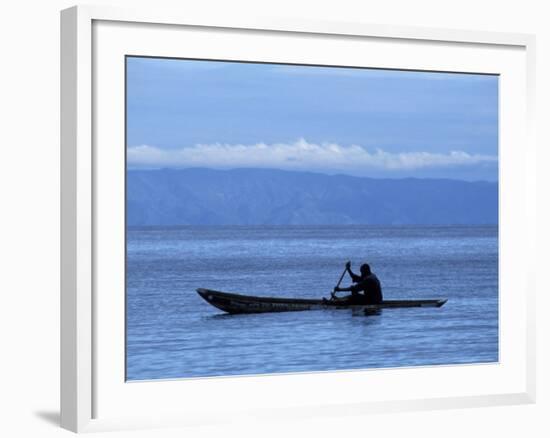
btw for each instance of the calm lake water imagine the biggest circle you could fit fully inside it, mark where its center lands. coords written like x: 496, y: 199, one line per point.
x: 173, y: 333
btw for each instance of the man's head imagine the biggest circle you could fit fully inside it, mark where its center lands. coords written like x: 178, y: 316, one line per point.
x: 365, y: 270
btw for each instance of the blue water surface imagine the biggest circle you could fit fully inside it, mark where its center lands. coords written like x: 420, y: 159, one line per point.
x: 173, y: 333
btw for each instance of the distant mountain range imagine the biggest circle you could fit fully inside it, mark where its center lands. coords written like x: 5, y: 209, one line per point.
x: 269, y: 196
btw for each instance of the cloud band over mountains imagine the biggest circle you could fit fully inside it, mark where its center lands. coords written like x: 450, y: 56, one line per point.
x: 300, y: 155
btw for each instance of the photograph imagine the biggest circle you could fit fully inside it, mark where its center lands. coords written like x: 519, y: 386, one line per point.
x: 292, y: 218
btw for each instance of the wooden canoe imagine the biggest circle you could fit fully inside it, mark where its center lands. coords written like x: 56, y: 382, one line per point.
x: 236, y: 303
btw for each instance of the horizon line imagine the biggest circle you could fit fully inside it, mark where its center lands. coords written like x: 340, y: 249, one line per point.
x: 336, y: 174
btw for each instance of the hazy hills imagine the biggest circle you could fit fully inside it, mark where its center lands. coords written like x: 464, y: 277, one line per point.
x: 268, y: 196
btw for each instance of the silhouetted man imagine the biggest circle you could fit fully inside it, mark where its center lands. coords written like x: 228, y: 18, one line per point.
x: 367, y: 283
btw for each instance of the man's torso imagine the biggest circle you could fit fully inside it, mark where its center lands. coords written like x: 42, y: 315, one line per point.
x: 372, y: 290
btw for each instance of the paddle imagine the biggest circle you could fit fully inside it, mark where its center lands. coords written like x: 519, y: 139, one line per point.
x: 340, y: 280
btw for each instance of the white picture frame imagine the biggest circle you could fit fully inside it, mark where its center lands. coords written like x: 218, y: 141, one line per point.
x: 94, y: 395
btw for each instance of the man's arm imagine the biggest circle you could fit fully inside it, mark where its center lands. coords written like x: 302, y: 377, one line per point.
x: 354, y: 288
x: 343, y: 289
x: 354, y: 278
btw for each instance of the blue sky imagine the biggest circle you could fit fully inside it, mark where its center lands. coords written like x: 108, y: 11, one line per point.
x: 364, y: 122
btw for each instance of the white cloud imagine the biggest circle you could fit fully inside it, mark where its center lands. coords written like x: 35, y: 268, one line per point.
x: 300, y: 155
